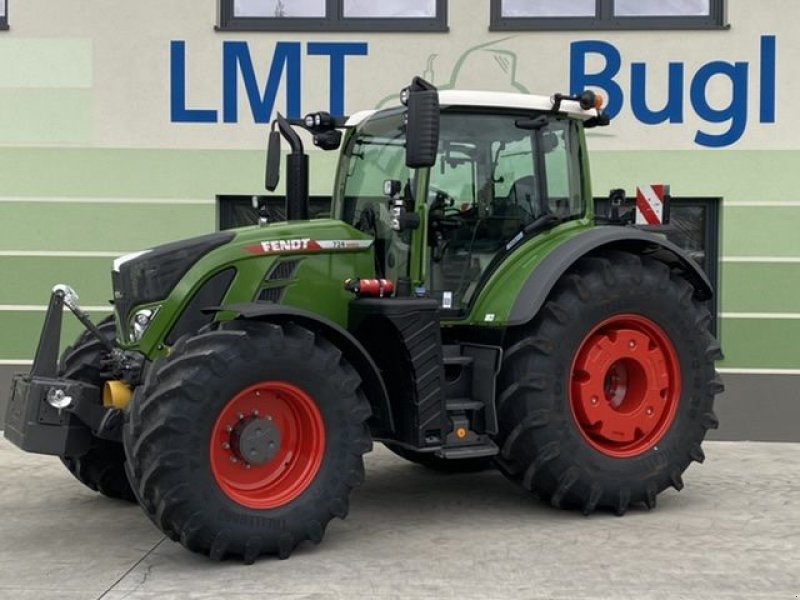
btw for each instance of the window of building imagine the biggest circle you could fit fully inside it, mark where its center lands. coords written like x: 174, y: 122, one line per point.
x: 3, y: 15
x: 333, y: 15
x: 520, y: 15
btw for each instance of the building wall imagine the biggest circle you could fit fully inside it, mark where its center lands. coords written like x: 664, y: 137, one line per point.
x: 93, y: 163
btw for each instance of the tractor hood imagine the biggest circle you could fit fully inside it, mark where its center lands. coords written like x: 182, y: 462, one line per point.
x: 167, y: 287
x: 151, y: 275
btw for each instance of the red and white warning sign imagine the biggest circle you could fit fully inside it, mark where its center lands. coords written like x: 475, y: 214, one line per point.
x: 652, y: 204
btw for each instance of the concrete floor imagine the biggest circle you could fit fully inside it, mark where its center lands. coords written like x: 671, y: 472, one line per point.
x: 734, y: 532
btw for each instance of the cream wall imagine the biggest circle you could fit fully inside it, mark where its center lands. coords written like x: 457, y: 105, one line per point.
x: 129, y: 64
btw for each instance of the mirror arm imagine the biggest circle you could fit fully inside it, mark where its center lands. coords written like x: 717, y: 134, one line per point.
x: 289, y: 134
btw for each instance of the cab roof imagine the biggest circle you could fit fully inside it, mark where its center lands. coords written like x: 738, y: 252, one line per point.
x: 493, y: 100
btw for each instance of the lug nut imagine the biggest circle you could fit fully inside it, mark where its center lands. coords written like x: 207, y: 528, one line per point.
x: 229, y: 429
x: 241, y: 416
x: 650, y: 411
x: 247, y: 465
x: 226, y: 446
x: 594, y: 400
x: 632, y: 344
x: 255, y: 413
x: 234, y: 459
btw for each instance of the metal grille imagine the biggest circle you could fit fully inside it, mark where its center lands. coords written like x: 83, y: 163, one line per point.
x: 274, y: 295
x: 283, y: 270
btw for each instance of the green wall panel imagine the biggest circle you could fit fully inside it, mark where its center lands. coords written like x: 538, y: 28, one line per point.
x: 172, y: 173
x: 21, y: 333
x: 44, y: 116
x: 129, y: 173
x: 770, y: 288
x: 759, y: 287
x: 202, y: 174
x: 732, y: 174
x: 28, y: 280
x: 761, y: 344
x: 764, y: 344
x: 92, y: 227
x: 757, y: 231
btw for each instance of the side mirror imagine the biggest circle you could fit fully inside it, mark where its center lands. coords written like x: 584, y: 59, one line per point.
x: 273, y: 161
x: 422, y: 125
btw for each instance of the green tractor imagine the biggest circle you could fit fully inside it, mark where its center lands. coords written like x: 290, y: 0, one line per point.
x: 462, y: 305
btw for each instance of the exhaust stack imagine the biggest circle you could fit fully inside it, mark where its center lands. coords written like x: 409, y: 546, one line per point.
x: 296, y: 170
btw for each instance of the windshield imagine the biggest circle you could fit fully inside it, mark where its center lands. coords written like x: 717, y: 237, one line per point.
x: 376, y: 153
x: 494, y: 182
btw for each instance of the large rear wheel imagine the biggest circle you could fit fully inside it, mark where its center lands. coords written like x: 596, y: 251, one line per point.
x: 248, y: 439
x: 606, y: 397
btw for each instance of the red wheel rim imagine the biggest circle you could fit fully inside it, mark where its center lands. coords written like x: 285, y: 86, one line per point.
x: 625, y: 386
x: 283, y: 425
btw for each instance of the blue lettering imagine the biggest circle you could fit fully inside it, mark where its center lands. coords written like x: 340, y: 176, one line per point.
x: 768, y: 83
x: 735, y: 112
x: 673, y: 111
x: 581, y: 80
x: 236, y: 58
x: 178, y: 111
x: 337, y: 52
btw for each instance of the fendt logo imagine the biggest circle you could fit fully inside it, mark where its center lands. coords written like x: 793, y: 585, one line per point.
x: 703, y: 89
x: 282, y: 246
x: 308, y: 246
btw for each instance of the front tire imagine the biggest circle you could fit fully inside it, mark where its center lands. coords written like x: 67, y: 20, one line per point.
x: 248, y: 439
x: 102, y: 468
x: 606, y: 397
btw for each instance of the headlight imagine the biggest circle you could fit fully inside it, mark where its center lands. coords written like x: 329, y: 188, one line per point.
x: 140, y: 322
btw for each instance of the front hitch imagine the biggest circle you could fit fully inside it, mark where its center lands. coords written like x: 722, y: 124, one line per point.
x: 51, y: 415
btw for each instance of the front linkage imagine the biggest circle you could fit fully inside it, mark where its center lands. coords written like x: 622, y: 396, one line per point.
x: 48, y: 414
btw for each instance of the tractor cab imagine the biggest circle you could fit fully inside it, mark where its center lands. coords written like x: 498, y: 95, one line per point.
x: 500, y: 175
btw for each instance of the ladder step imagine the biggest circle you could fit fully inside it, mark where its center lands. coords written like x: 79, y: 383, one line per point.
x: 463, y: 361
x: 454, y: 404
x: 461, y: 452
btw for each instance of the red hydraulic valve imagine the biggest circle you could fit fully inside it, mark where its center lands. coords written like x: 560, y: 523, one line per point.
x: 370, y: 288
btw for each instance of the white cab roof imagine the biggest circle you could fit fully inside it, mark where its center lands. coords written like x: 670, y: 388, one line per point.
x: 493, y: 100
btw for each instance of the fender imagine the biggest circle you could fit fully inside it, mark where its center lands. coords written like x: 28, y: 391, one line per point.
x: 542, y: 280
x: 381, y: 422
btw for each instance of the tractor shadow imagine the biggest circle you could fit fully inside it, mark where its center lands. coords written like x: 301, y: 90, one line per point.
x: 395, y: 488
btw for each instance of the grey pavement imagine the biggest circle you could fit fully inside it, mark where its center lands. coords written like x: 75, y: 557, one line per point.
x: 733, y: 532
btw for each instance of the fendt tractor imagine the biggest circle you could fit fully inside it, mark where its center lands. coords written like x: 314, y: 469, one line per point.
x: 463, y: 305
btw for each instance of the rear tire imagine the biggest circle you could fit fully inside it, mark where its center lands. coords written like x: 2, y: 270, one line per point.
x: 102, y: 469
x: 442, y: 465
x: 195, y: 412
x: 620, y: 443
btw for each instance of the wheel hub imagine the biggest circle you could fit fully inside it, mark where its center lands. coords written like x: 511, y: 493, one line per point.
x: 267, y: 445
x: 255, y: 441
x: 625, y: 386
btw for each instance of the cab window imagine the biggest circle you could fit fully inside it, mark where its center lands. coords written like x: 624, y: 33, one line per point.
x: 496, y: 175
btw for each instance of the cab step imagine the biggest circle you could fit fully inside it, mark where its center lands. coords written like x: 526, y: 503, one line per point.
x: 489, y: 448
x: 462, y: 404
